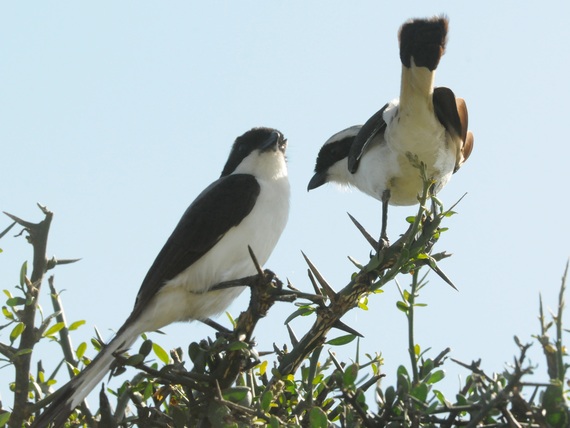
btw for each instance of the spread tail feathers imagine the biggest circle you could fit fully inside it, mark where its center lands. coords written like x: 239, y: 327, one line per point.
x: 74, y: 392
x: 424, y: 41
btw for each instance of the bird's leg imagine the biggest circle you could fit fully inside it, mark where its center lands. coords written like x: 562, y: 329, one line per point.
x: 434, y: 206
x: 383, y: 241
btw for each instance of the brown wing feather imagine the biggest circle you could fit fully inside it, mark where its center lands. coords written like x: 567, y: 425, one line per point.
x: 466, y: 135
x: 467, y: 146
x: 463, y: 117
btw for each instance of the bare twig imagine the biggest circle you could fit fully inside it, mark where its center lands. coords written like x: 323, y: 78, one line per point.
x: 504, y: 394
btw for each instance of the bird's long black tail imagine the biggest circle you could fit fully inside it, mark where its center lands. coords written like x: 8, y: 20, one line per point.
x: 74, y: 392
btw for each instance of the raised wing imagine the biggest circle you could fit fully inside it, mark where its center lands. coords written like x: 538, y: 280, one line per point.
x: 221, y: 206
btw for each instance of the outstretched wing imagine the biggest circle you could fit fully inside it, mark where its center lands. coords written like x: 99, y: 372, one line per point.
x: 221, y: 206
x: 369, y: 130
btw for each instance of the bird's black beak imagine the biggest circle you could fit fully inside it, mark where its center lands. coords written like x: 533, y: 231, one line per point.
x: 318, y: 180
x: 274, y: 141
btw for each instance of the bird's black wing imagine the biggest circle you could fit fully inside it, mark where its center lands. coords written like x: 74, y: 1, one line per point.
x: 445, y: 108
x: 452, y: 114
x: 369, y: 130
x: 221, y: 206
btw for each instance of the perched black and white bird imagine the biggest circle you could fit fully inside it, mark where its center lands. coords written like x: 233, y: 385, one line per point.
x: 247, y: 206
x: 425, y: 121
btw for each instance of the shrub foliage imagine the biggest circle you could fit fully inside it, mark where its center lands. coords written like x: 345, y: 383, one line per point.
x: 227, y: 383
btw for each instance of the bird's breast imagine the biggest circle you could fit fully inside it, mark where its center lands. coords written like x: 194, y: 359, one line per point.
x: 186, y: 296
x: 422, y: 135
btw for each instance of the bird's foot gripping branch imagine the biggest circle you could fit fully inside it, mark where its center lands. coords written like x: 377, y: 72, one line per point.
x: 226, y: 382
x: 228, y: 379
x: 408, y: 254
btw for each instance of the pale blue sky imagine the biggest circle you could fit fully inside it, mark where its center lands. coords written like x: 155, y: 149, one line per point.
x: 117, y: 114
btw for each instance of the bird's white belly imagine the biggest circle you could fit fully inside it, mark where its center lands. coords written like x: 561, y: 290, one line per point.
x: 185, y: 297
x: 425, y: 137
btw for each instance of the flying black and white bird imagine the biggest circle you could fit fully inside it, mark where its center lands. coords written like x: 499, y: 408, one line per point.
x: 247, y: 206
x: 425, y: 121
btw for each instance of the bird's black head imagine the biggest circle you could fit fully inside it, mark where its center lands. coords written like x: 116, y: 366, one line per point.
x: 334, y: 150
x: 424, y: 40
x: 262, y: 139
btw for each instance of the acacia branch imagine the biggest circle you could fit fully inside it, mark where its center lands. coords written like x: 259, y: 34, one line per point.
x: 37, y: 236
x: 382, y: 268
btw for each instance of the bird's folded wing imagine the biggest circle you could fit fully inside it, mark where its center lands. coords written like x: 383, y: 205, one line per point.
x: 221, y: 206
x: 369, y: 130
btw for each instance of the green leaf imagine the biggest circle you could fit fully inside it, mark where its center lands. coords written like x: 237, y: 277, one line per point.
x: 161, y: 353
x: 195, y: 352
x: 402, y: 306
x: 266, y: 399
x: 17, y: 331
x: 237, y: 345
x: 427, y: 366
x: 390, y: 395
x: 441, y: 397
x: 318, y: 418
x: 303, y: 311
x: 236, y: 394
x: 403, y: 382
x: 420, y: 392
x: 81, y: 350
x: 146, y: 347
x: 417, y: 349
x: 555, y: 406
x: 54, y: 329
x: 7, y: 313
x: 350, y: 374
x: 4, y: 418
x: 134, y: 360
x: 341, y: 340
x: 148, y: 391
x: 436, y: 377
x: 232, y: 320
x: 76, y: 325
x: 8, y: 294
x: 361, y: 399
x: 16, y: 301
x: 23, y: 272
x: 262, y: 367
x: 96, y: 344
